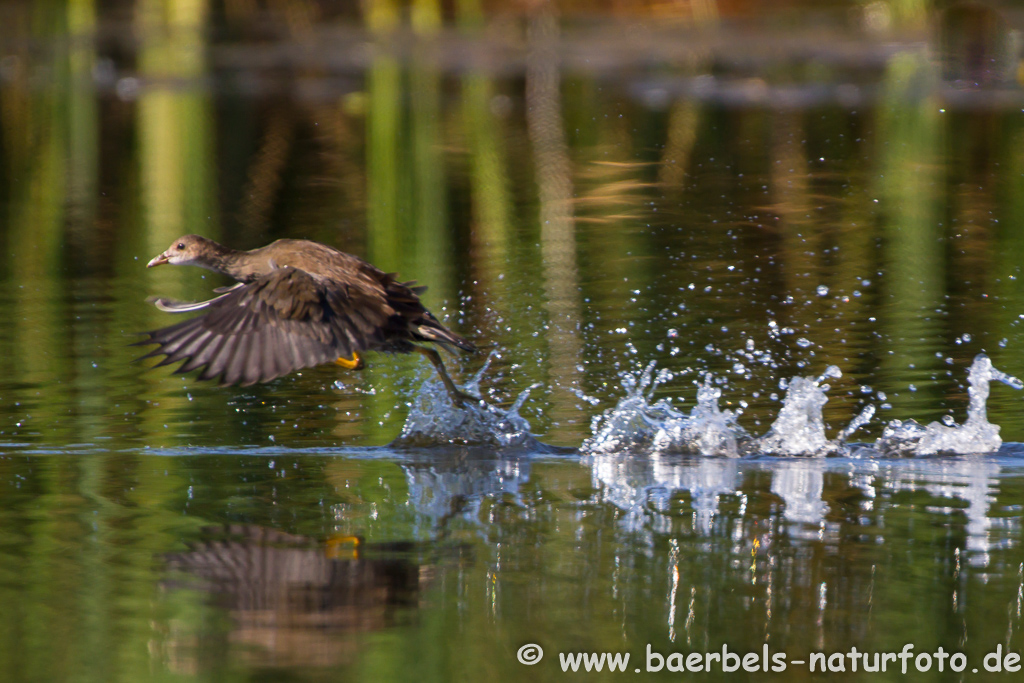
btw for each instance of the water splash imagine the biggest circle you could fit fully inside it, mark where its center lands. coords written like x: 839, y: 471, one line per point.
x: 708, y: 430
x: 800, y: 428
x: 637, y: 424
x: 975, y: 435
x: 863, y: 417
x: 435, y: 421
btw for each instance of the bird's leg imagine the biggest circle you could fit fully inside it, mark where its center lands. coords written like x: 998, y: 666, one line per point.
x: 459, y: 398
x: 356, y: 363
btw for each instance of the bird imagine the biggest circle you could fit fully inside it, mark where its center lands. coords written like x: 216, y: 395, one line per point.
x: 295, y: 304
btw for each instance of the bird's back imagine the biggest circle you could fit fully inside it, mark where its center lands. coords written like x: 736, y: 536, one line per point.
x: 319, y: 260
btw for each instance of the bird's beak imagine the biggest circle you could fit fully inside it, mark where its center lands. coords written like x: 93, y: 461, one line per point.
x: 158, y: 261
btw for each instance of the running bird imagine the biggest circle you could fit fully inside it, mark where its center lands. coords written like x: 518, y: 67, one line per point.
x: 296, y: 304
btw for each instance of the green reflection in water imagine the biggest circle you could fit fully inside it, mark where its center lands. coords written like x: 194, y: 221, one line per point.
x: 130, y: 562
x: 909, y: 178
x: 447, y: 178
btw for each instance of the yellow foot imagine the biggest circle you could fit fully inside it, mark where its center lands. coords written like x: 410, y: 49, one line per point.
x: 355, y: 363
x: 340, y: 546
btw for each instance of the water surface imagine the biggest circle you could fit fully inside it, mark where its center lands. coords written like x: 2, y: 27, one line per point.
x: 742, y: 199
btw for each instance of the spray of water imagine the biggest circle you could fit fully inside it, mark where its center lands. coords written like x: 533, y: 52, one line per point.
x: 636, y: 425
x: 435, y: 421
x: 800, y: 428
x: 975, y: 435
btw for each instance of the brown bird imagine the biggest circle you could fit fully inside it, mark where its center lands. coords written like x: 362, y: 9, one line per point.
x: 296, y: 304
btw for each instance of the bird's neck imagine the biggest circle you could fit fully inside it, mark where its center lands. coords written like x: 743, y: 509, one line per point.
x: 221, y: 259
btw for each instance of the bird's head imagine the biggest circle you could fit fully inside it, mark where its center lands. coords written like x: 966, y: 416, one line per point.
x: 187, y: 250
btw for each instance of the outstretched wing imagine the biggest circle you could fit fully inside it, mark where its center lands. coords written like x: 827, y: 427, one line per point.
x: 281, y: 322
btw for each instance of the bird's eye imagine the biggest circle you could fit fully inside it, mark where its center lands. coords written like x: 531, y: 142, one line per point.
x: 181, y: 245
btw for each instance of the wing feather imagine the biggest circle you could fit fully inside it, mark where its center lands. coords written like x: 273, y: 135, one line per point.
x: 283, y: 321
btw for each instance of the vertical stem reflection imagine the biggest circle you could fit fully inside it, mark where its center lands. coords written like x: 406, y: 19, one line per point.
x: 554, y: 181
x: 911, y: 180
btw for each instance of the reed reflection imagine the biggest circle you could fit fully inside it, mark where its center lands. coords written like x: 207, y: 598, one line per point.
x: 554, y: 190
x: 914, y: 258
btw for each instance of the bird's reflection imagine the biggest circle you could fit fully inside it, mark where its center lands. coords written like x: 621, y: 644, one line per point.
x: 291, y: 599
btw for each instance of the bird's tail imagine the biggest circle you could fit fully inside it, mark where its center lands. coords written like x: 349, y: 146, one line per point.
x: 423, y: 323
x: 433, y: 331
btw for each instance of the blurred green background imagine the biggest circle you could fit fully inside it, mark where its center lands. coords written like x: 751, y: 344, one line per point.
x: 752, y: 189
